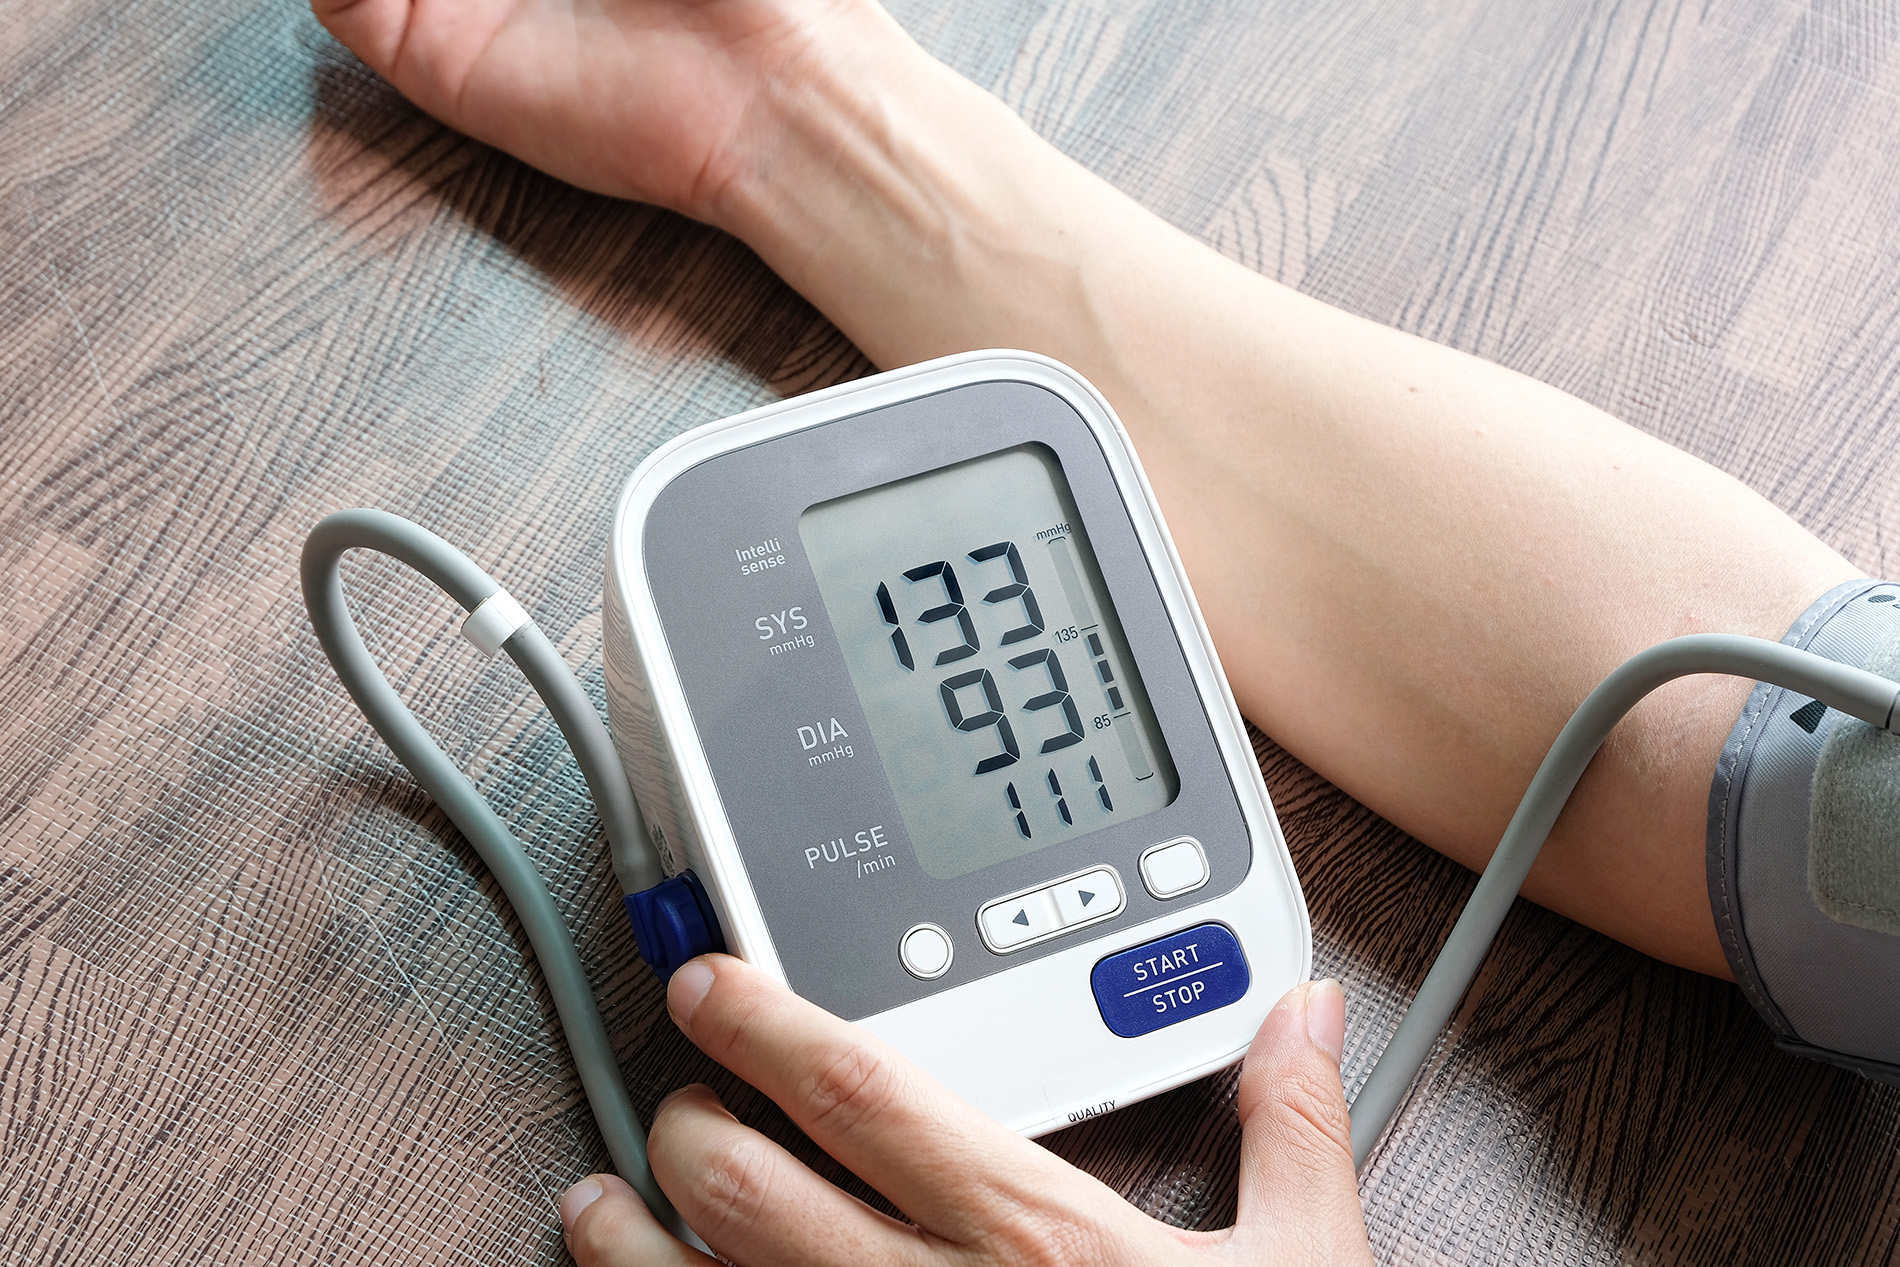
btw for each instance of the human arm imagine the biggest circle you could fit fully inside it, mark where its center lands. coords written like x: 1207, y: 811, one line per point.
x: 1413, y: 562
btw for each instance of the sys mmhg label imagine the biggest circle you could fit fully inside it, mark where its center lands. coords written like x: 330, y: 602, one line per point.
x: 1179, y: 976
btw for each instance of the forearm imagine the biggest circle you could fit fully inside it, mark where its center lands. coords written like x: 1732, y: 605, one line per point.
x: 1414, y: 563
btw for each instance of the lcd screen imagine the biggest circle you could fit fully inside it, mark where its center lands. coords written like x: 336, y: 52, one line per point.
x: 980, y: 637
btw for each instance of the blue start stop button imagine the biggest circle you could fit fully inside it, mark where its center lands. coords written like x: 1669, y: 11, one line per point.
x: 1176, y: 977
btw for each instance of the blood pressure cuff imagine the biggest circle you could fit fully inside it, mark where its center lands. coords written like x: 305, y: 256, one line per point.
x: 1804, y: 849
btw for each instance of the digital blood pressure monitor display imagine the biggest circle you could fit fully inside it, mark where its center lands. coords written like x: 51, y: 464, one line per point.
x: 986, y: 654
x: 908, y: 674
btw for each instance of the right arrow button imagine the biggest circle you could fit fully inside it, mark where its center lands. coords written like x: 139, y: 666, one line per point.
x: 1083, y: 899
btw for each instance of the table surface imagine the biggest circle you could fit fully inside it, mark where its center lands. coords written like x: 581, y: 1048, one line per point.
x: 258, y: 1002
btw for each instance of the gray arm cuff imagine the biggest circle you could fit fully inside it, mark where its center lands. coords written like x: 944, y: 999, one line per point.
x: 1804, y: 849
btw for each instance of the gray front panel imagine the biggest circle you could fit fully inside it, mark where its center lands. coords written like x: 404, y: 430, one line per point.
x: 777, y: 715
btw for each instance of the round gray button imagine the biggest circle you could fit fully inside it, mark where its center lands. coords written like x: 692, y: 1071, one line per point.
x: 926, y: 952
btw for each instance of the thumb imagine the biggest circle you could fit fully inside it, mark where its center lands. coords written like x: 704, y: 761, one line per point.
x: 372, y: 29
x: 1299, y: 1198
x: 608, y: 1225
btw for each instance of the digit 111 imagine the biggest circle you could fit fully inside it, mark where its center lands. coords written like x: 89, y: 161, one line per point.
x: 985, y: 700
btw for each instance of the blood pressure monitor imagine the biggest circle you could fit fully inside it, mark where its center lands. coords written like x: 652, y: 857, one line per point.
x: 908, y: 673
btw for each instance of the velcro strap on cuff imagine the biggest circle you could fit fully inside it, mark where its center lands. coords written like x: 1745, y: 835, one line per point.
x: 1854, y: 818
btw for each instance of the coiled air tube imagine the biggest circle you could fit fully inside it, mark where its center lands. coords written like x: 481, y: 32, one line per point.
x: 547, y: 932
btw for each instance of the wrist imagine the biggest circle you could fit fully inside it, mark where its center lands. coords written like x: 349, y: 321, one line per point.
x: 809, y: 120
x: 923, y: 217
x: 913, y: 208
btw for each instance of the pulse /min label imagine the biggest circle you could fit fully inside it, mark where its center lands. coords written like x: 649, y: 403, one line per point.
x: 1183, y: 975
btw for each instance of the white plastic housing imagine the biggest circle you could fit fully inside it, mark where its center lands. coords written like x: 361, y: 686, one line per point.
x: 1027, y: 1045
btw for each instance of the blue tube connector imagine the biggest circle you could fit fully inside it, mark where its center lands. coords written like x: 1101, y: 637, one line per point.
x: 674, y: 921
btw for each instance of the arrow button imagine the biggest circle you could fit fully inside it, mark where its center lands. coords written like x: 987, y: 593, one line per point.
x: 1092, y: 896
x: 1016, y: 921
x: 1019, y: 920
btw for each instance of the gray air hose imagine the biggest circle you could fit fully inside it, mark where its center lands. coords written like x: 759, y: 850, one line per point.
x: 1853, y: 691
x: 547, y: 932
x: 1856, y: 692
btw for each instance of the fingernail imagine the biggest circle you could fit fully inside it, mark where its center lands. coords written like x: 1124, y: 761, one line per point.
x: 578, y: 1198
x: 687, y: 988
x: 1326, y: 1017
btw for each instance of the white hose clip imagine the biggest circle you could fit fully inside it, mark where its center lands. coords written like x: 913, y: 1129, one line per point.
x: 498, y: 619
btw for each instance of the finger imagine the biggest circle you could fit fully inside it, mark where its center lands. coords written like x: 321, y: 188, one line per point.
x: 1299, y: 1197
x: 754, y: 1202
x: 372, y: 29
x: 940, y: 1160
x: 609, y: 1226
